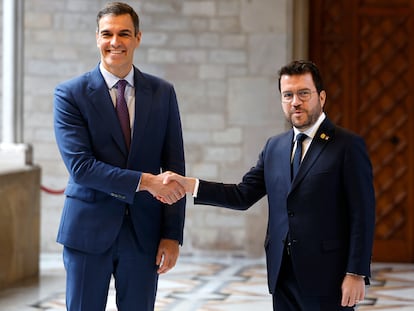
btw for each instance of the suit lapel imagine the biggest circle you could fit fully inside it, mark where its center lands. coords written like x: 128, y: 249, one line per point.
x: 322, y: 137
x: 143, y: 100
x: 104, y: 107
x: 285, y: 161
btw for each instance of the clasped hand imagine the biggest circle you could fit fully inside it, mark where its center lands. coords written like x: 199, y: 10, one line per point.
x: 167, y: 187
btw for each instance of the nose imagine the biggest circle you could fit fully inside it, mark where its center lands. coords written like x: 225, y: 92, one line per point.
x: 296, y: 101
x: 114, y: 41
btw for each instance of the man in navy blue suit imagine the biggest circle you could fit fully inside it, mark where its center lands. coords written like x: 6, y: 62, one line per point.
x: 111, y: 223
x: 321, y: 218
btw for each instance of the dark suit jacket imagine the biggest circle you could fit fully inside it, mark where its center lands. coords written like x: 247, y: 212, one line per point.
x: 103, y: 175
x: 328, y: 209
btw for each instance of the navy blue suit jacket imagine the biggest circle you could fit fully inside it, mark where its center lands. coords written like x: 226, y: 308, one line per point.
x: 103, y: 175
x: 328, y: 209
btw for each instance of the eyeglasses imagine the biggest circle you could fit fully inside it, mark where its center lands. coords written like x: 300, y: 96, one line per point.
x: 303, y: 95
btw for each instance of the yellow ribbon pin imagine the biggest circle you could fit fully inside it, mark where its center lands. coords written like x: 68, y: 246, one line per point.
x: 324, y: 136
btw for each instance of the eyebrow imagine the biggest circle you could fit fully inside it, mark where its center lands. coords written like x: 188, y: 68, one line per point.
x: 123, y: 31
x: 303, y: 89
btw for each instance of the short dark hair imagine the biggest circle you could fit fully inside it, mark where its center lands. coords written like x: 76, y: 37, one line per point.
x: 118, y: 8
x: 300, y: 67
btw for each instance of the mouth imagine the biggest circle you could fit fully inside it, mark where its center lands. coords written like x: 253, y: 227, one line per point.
x: 297, y: 112
x: 116, y: 52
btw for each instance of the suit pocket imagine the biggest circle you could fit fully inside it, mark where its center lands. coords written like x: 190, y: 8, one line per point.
x: 80, y: 192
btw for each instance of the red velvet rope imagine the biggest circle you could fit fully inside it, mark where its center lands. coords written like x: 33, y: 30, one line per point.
x: 51, y: 191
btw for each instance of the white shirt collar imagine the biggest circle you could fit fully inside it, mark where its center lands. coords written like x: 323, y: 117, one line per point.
x: 111, y: 79
x: 310, y: 132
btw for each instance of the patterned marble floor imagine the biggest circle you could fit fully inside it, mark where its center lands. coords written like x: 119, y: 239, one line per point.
x: 210, y: 284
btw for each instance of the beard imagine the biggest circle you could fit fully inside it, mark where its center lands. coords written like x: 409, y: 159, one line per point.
x: 303, y: 119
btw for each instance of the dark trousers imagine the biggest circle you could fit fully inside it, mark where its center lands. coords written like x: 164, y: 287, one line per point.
x: 289, y: 297
x: 88, y: 275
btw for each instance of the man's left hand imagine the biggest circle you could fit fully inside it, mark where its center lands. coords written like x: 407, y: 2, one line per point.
x: 353, y: 290
x: 167, y: 255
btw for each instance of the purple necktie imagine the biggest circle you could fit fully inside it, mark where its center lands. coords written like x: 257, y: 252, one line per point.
x: 122, y: 111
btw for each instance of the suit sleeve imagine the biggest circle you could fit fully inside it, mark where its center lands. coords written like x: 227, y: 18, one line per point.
x: 358, y: 182
x: 235, y: 196
x: 74, y: 142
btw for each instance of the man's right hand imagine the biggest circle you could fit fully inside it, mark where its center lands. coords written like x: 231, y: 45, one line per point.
x: 168, y: 193
x: 188, y: 183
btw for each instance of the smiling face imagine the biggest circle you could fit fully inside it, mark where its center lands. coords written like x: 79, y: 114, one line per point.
x: 117, y: 41
x: 302, y: 114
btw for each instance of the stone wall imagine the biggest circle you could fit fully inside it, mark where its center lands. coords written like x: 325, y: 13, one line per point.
x: 221, y: 56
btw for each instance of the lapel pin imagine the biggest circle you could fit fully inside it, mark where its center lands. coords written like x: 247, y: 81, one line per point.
x: 324, y: 136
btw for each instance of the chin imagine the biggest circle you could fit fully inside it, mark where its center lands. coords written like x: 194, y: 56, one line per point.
x: 300, y: 125
x: 296, y: 123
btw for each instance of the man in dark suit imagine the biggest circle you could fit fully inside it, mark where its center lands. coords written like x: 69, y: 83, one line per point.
x: 111, y: 224
x: 321, y: 218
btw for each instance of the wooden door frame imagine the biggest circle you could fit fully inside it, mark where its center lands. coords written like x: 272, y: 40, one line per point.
x: 299, y: 48
x: 300, y: 29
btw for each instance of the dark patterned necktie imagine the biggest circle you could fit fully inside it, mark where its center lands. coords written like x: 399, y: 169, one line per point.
x: 122, y: 112
x: 298, y: 154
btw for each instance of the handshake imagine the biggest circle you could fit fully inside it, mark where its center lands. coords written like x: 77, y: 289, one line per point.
x: 167, y: 187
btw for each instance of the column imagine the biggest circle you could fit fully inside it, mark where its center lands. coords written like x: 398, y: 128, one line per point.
x: 12, y: 149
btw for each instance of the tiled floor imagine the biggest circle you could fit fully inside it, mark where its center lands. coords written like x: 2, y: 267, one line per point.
x: 210, y: 284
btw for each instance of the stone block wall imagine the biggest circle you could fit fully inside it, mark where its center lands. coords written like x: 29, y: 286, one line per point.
x: 222, y: 57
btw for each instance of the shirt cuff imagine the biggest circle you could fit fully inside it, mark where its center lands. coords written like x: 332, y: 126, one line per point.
x: 354, y: 274
x: 139, y: 183
x: 195, y: 192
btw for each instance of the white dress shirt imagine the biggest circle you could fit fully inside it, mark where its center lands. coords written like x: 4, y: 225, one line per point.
x: 111, y: 81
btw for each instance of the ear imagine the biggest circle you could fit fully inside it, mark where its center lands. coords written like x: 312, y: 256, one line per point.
x: 138, y: 38
x: 322, y: 98
x: 97, y: 38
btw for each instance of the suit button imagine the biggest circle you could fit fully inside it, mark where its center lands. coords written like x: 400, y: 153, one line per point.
x: 291, y: 214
